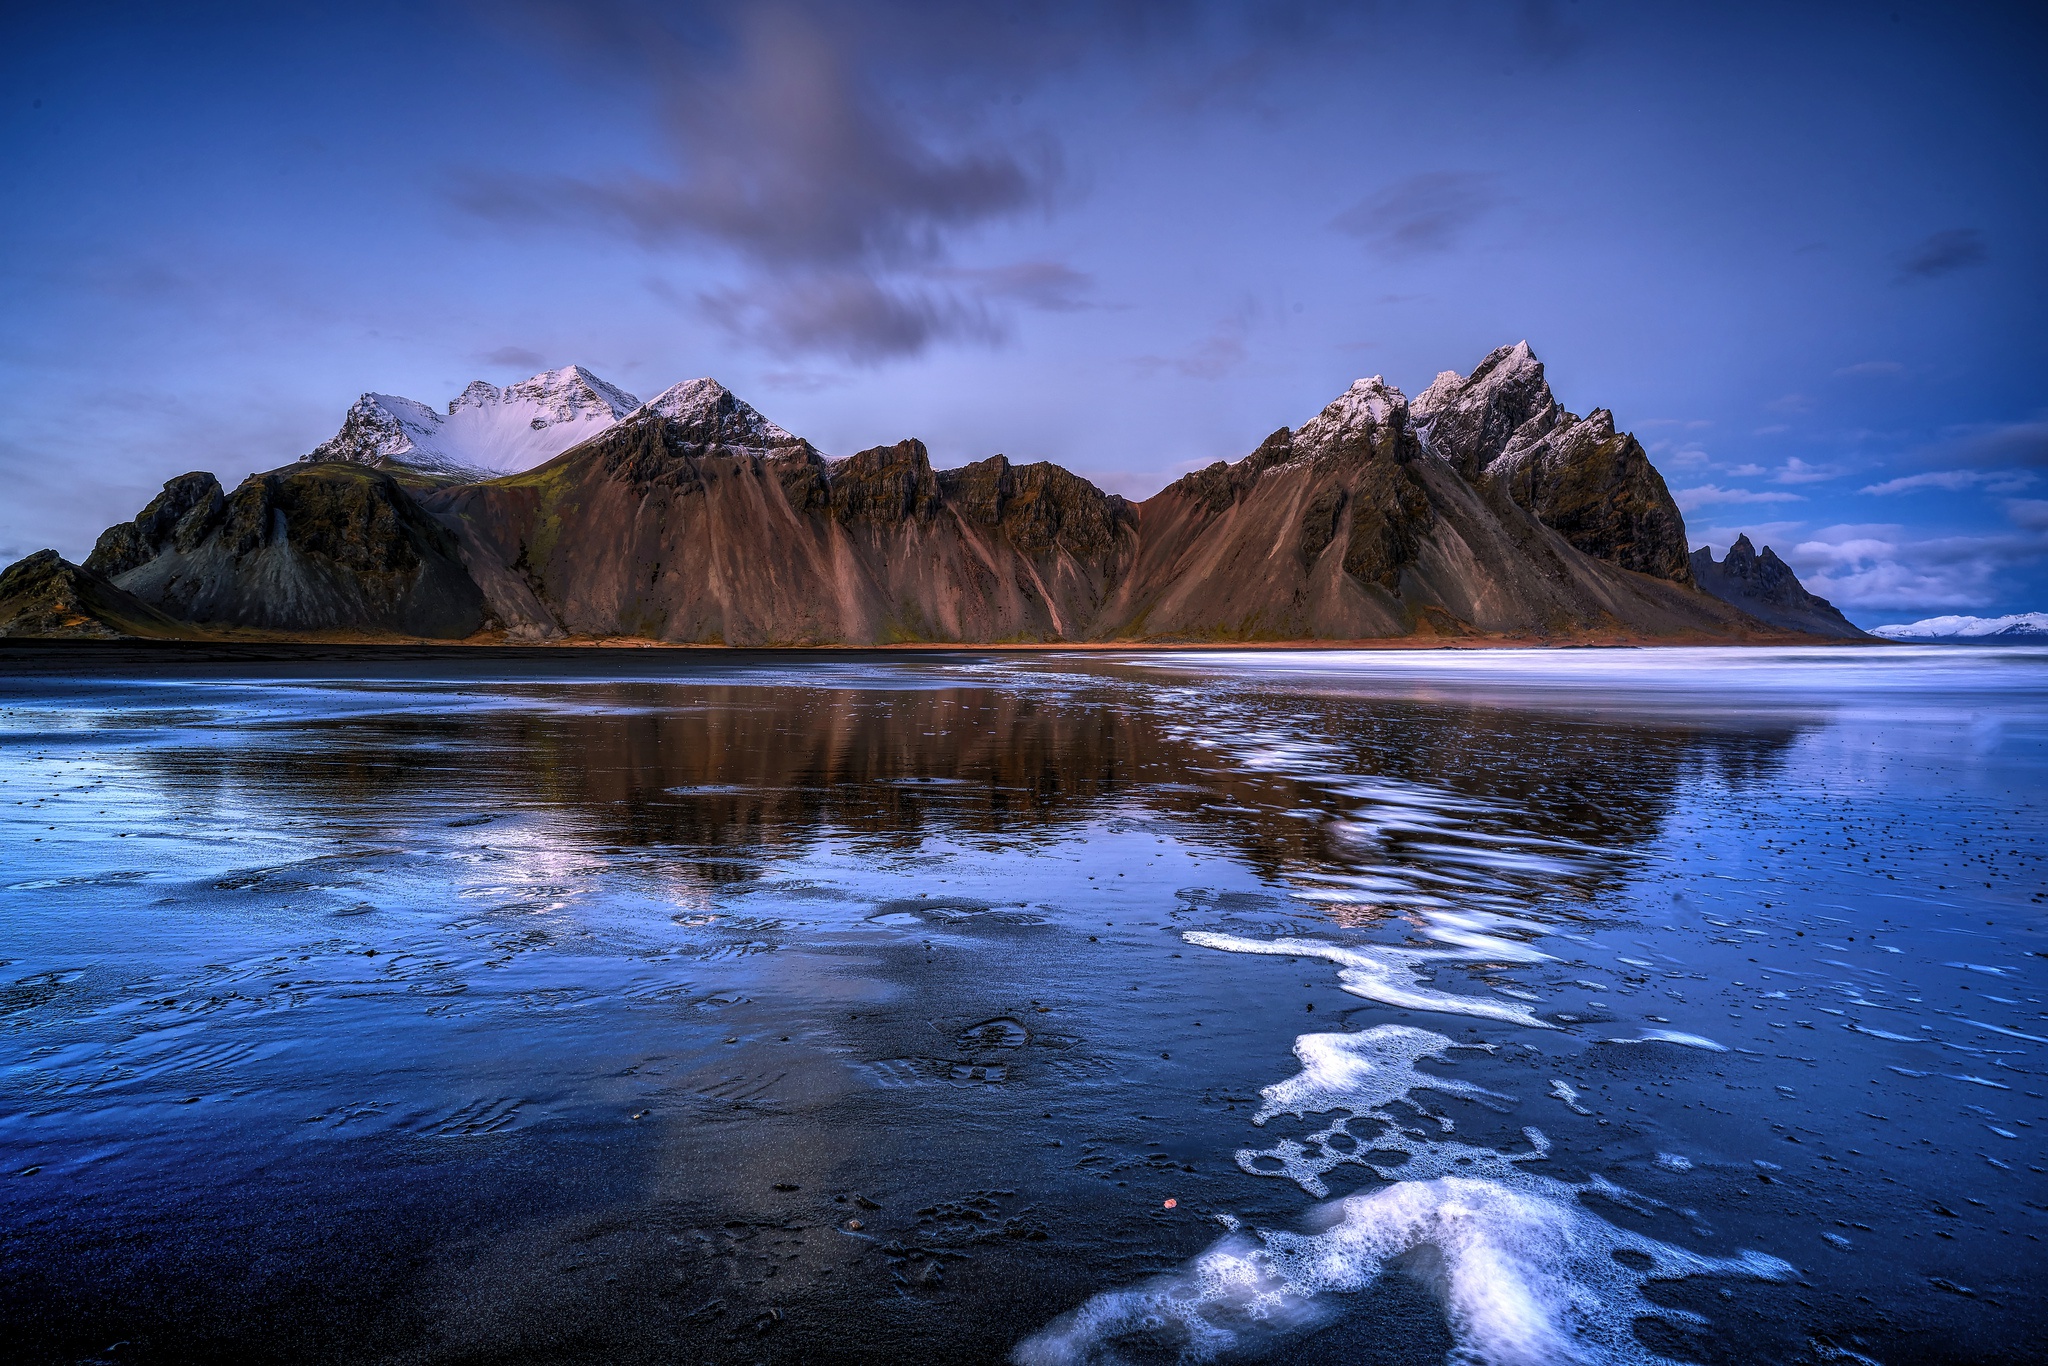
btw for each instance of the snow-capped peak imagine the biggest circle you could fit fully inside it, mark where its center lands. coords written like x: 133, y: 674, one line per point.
x: 1502, y: 410
x: 1370, y: 402
x: 712, y: 414
x: 571, y: 393
x: 486, y: 430
x: 2019, y: 626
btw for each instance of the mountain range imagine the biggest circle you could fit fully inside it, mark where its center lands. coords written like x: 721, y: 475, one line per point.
x: 563, y: 509
x: 2022, y: 628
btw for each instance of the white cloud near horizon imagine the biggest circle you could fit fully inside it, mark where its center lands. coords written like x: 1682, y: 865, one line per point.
x: 1705, y: 495
x: 1880, y: 566
x: 1954, y: 481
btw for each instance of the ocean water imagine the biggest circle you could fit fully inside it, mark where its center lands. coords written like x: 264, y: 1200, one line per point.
x: 1392, y: 1007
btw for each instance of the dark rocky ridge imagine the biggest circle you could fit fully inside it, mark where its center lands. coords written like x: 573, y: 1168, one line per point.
x: 1764, y: 586
x: 1500, y: 428
x: 46, y: 596
x: 1483, y: 509
x: 311, y: 548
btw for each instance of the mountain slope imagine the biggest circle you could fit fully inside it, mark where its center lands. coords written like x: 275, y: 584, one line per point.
x: 1482, y: 510
x: 699, y: 520
x: 1355, y: 528
x: 1765, y: 587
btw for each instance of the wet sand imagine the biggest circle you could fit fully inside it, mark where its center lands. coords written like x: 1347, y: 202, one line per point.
x: 758, y: 1007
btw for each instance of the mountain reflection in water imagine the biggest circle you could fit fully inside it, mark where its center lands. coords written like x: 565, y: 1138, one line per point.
x: 866, y: 1008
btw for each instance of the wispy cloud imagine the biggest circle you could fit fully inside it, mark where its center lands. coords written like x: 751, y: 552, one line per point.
x: 1222, y: 351
x: 1048, y: 285
x: 1943, y: 253
x: 1991, y: 481
x: 1422, y: 214
x: 1797, y: 471
x: 1706, y: 495
x: 514, y: 358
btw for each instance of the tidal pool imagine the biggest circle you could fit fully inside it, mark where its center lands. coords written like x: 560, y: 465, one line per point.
x: 1388, y: 1007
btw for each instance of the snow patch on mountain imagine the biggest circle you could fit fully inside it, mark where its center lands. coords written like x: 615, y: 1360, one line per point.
x: 1368, y: 403
x: 486, y: 430
x: 712, y: 414
x: 2019, y: 626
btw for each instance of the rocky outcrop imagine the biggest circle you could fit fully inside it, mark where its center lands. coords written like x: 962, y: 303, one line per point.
x: 45, y: 595
x: 179, y: 518
x: 331, y: 547
x: 1355, y: 527
x: 1500, y: 428
x: 1764, y: 586
x: 1481, y: 509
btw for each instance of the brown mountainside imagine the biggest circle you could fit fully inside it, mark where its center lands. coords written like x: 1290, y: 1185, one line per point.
x: 1481, y: 509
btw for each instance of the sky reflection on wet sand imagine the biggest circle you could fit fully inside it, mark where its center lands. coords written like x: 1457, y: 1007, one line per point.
x: 792, y: 1009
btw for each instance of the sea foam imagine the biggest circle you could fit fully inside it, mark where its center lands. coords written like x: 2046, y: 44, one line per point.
x: 1525, y: 1272
x: 1390, y: 975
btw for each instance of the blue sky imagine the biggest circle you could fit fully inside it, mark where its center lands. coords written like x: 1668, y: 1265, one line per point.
x: 1799, y: 250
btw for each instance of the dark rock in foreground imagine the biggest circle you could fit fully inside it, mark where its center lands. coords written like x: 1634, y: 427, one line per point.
x: 45, y: 595
x: 1764, y: 586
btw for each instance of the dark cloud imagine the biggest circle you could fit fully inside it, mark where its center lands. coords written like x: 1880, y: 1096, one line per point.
x: 2007, y: 443
x: 792, y: 154
x: 1422, y: 214
x: 1944, y: 253
x: 842, y: 154
x: 786, y: 160
x: 848, y: 315
x: 515, y: 357
x: 1048, y: 285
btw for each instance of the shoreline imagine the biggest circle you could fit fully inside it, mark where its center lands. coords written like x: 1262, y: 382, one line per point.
x: 42, y: 654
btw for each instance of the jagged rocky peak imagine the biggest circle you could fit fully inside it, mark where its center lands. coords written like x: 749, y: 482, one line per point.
x: 570, y: 394
x: 1353, y: 416
x: 1764, y: 586
x: 180, y: 517
x: 486, y: 431
x: 705, y: 412
x: 1504, y: 432
x: 1503, y: 405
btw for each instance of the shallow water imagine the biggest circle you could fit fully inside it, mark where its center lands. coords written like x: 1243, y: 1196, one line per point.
x: 1599, y: 1005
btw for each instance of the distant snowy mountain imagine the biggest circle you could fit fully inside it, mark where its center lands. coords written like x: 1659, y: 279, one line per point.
x: 2022, y: 626
x: 486, y: 430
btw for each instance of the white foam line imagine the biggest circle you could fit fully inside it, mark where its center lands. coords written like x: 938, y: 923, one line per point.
x: 2000, y: 1029
x: 1376, y: 972
x: 1883, y: 1034
x: 1673, y: 1036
